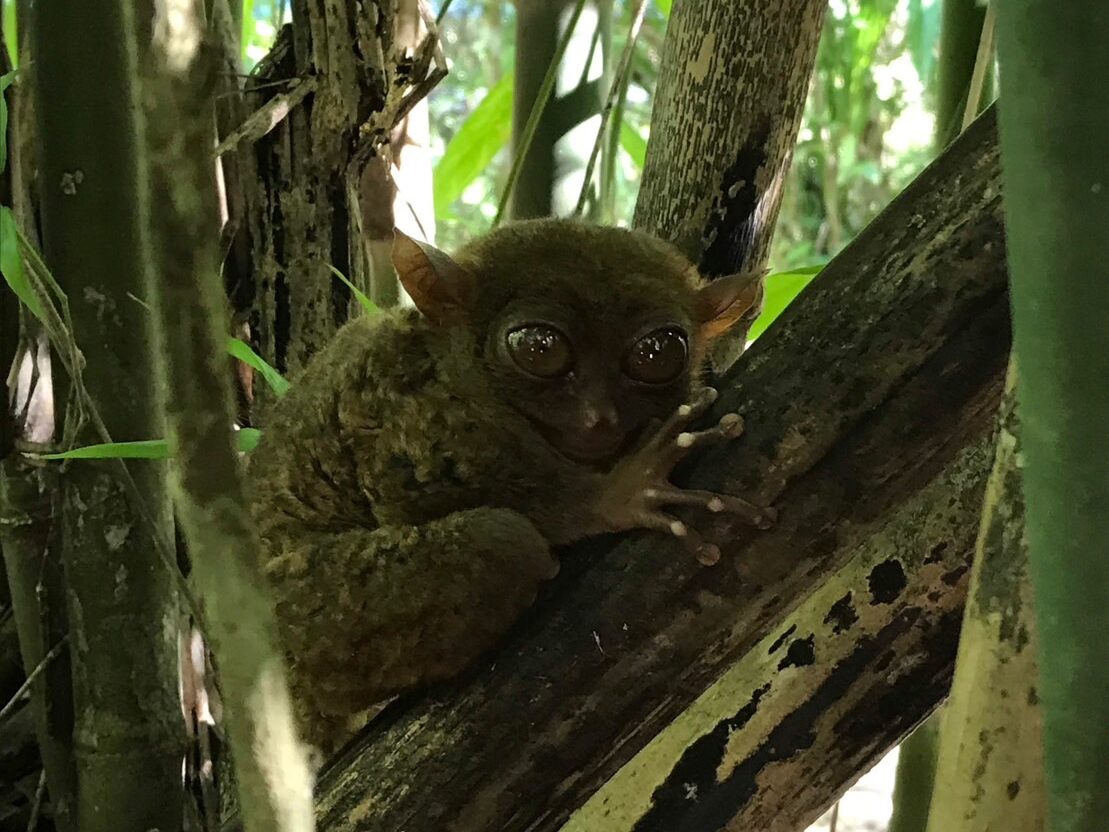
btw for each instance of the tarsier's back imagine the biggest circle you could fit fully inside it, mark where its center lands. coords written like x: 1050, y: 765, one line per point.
x: 410, y: 486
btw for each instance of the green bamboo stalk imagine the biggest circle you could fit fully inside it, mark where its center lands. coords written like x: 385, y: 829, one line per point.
x: 522, y: 141
x: 1055, y: 116
x: 916, y: 774
x: 121, y: 595
x: 989, y: 775
x: 960, y: 33
x: 188, y: 302
x: 32, y: 575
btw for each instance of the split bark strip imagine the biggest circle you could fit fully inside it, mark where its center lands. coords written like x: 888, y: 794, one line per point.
x: 731, y: 93
x: 190, y: 307
x: 844, y: 425
x: 990, y: 767
x: 121, y: 596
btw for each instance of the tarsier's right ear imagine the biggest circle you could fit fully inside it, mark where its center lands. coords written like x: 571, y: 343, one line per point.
x: 440, y: 288
x: 729, y: 300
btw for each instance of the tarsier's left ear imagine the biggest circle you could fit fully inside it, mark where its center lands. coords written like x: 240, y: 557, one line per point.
x: 440, y: 288
x: 727, y: 300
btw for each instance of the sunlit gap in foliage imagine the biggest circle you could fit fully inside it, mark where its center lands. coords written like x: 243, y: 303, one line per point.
x: 175, y: 28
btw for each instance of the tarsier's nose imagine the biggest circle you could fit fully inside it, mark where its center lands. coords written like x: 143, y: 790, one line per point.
x: 599, y: 415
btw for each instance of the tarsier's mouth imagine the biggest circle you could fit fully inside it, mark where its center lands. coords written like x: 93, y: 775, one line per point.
x: 587, y: 447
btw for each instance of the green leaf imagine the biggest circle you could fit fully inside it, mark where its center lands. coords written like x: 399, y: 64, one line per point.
x: 781, y: 289
x: 11, y: 263
x: 633, y: 143
x: 242, y: 351
x: 246, y: 438
x: 472, y: 148
x: 664, y: 6
x: 367, y: 304
x: 5, y: 81
x: 143, y: 449
x: 11, y: 34
x: 247, y: 18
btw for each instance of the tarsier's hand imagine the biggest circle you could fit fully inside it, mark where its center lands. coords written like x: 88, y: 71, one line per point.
x: 634, y: 492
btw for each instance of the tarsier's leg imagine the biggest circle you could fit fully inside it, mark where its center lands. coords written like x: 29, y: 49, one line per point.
x: 401, y: 606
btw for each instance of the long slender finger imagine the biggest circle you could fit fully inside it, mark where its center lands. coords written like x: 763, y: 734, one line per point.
x: 699, y: 402
x: 660, y: 521
x: 758, y: 516
x: 728, y: 428
x: 706, y: 553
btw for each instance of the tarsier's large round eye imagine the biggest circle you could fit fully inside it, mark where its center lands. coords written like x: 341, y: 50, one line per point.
x: 540, y: 350
x: 657, y: 358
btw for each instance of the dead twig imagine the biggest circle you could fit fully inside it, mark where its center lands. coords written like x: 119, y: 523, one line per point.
x: 268, y: 116
x: 10, y: 707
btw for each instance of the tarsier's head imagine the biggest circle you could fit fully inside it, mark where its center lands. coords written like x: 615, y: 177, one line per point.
x: 589, y: 332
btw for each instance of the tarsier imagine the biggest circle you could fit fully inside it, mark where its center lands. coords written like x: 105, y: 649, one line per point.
x: 411, y: 485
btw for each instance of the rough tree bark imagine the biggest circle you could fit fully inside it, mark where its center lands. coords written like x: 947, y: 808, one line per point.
x: 845, y: 431
x: 730, y: 97
x: 310, y: 165
x: 121, y: 595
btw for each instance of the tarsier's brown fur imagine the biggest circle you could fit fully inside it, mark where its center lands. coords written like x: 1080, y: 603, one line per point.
x: 411, y: 484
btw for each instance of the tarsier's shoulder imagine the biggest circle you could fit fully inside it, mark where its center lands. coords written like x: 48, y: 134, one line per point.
x: 304, y: 464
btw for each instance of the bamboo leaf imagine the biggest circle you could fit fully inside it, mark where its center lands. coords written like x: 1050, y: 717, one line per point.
x: 11, y: 263
x: 781, y: 289
x: 246, y: 438
x: 367, y: 304
x: 5, y: 81
x: 242, y: 351
x: 11, y: 35
x: 633, y: 143
x: 143, y: 449
x: 247, y: 34
x: 478, y: 140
